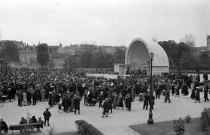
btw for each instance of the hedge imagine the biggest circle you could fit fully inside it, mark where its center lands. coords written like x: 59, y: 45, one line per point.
x: 85, y: 128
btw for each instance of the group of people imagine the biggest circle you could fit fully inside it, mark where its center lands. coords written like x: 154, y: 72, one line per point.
x: 59, y: 87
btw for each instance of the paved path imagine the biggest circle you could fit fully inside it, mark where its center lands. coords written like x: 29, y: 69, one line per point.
x: 116, y: 124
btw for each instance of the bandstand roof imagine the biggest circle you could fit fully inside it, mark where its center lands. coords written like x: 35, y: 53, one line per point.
x: 139, y: 50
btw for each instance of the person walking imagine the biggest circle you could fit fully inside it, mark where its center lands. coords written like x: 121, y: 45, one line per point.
x: 105, y: 108
x: 120, y: 101
x: 167, y: 95
x: 20, y: 97
x: 197, y: 95
x: 116, y: 98
x: 76, y: 103
x: 206, y: 93
x: 9, y: 94
x: 146, y: 101
x: 152, y: 102
x: 85, y: 98
x: 34, y: 95
x: 110, y: 101
x: 47, y: 116
x: 28, y: 95
x: 43, y: 92
x: 128, y: 101
x: 100, y: 99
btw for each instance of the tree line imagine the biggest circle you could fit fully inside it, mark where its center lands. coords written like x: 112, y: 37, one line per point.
x: 182, y: 55
x: 185, y: 56
x: 89, y: 56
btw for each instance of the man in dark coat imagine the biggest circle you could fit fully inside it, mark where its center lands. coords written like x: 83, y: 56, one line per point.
x: 105, y: 108
x: 34, y: 97
x: 146, y: 101
x: 20, y: 98
x: 167, y: 95
x: 47, y: 116
x: 10, y: 96
x: 110, y: 101
x: 77, y: 103
x: 128, y: 101
x: 3, y: 126
x: 28, y: 97
x: 206, y: 93
x: 152, y: 102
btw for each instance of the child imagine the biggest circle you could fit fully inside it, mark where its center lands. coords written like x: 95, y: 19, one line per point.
x: 60, y: 106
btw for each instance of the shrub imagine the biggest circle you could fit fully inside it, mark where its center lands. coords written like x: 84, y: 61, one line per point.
x: 203, y: 125
x: 179, y: 126
x: 207, y: 115
x: 187, y: 119
x: 204, y: 120
x: 51, y: 131
x: 27, y: 130
x: 86, y: 129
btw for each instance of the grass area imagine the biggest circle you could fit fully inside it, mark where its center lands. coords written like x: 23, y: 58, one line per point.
x: 166, y: 128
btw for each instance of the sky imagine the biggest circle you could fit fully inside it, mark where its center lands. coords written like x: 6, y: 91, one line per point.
x: 103, y: 22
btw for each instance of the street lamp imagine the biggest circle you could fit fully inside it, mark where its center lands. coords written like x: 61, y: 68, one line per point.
x: 150, y: 120
x: 1, y: 62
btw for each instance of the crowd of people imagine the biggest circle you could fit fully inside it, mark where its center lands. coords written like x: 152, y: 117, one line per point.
x: 66, y: 90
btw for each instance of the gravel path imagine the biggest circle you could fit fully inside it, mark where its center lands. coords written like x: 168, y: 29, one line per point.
x: 116, y: 124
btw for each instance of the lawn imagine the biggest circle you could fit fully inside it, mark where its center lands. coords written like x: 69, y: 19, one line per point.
x: 166, y: 128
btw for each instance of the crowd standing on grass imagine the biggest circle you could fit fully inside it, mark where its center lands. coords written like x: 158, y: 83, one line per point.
x: 66, y: 90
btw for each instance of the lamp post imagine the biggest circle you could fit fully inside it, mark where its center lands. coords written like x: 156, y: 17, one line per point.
x: 1, y: 62
x: 150, y: 120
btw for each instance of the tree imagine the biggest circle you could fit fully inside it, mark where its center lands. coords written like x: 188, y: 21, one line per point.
x: 43, y: 54
x: 87, y: 56
x: 189, y: 39
x: 108, y: 60
x: 203, y: 60
x: 100, y: 59
x: 9, y: 51
x: 176, y: 53
x: 51, y: 64
x: 119, y: 55
x: 188, y: 62
x: 70, y: 64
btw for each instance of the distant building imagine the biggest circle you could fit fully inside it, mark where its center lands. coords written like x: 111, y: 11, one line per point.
x: 197, y: 50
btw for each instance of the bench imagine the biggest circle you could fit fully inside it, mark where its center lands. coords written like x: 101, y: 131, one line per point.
x: 21, y: 126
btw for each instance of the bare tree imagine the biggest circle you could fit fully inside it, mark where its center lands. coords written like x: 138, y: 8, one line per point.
x: 189, y: 39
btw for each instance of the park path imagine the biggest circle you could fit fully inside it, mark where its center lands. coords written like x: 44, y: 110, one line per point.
x: 116, y: 124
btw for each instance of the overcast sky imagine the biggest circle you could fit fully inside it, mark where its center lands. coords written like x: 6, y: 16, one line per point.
x: 103, y: 22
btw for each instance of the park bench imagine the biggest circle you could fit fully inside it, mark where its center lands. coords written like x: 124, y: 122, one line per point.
x: 30, y: 126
